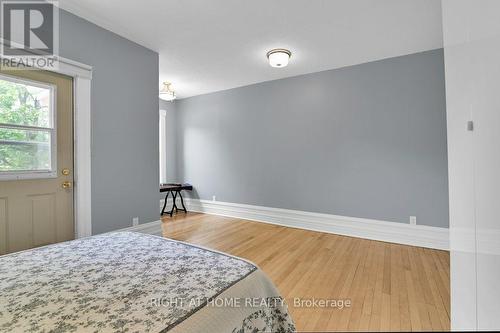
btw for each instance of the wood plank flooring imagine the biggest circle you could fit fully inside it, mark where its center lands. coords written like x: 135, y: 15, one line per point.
x: 391, y: 287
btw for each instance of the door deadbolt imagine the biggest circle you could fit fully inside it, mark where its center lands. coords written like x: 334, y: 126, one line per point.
x: 67, y: 185
x: 66, y: 172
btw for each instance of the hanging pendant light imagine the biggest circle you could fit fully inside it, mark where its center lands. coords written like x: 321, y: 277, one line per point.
x: 167, y: 93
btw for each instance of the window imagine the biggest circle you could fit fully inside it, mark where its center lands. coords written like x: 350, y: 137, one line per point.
x: 27, y: 129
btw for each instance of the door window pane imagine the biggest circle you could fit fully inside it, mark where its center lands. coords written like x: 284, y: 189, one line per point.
x: 24, y: 150
x: 23, y: 104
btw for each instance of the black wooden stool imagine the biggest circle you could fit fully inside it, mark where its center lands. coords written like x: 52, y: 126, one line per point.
x: 175, y: 189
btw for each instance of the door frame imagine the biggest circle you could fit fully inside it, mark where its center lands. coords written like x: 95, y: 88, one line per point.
x: 82, y: 142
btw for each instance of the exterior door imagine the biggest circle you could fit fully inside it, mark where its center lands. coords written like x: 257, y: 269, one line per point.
x: 36, y: 159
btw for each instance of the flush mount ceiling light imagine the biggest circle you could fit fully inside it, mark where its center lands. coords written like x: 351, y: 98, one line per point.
x: 167, y: 93
x: 279, y: 57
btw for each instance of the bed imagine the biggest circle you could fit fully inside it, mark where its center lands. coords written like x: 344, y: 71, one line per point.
x: 132, y: 282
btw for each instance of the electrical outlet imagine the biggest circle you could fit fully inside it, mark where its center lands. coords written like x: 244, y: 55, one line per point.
x: 214, y: 198
x: 413, y: 220
x: 135, y: 221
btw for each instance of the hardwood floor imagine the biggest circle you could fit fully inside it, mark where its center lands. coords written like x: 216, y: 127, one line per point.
x: 390, y: 286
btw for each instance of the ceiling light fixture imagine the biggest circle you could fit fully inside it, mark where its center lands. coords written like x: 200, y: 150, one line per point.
x: 279, y: 58
x: 167, y: 93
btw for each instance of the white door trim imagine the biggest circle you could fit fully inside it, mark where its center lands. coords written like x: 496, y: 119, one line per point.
x: 82, y: 81
x: 163, y: 149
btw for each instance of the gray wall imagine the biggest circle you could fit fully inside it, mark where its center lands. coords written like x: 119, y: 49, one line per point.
x: 363, y: 141
x: 124, y: 122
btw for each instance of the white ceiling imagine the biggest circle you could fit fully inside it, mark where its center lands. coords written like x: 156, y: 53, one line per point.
x: 212, y: 45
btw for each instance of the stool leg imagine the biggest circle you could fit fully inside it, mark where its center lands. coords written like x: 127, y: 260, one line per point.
x: 174, y: 194
x: 182, y: 203
x: 165, y: 204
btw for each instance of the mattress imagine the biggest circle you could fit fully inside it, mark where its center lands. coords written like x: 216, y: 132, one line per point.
x: 132, y: 282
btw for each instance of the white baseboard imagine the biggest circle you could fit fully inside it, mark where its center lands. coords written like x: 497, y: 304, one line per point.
x: 152, y: 228
x: 393, y: 232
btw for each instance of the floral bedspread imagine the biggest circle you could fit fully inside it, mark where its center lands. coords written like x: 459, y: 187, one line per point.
x: 117, y: 282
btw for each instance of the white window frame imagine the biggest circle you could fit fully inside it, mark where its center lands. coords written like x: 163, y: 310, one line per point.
x: 35, y: 174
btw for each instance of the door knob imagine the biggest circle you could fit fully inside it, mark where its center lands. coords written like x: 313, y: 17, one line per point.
x: 67, y: 185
